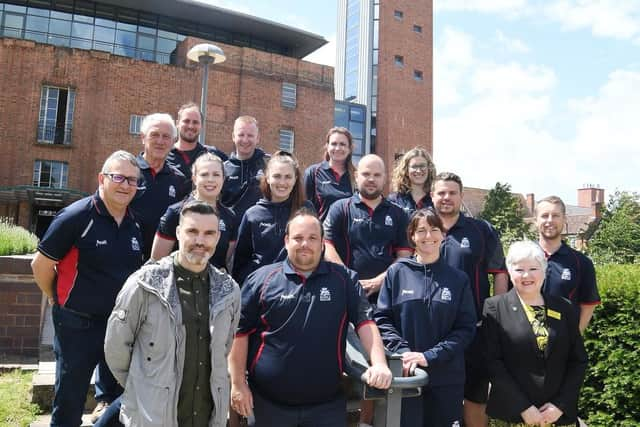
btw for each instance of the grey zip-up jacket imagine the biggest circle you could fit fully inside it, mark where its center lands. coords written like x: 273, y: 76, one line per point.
x: 145, y: 344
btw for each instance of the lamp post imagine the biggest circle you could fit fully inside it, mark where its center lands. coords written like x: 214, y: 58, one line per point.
x: 205, y: 54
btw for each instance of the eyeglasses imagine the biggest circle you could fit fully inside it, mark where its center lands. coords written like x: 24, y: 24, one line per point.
x: 421, y: 167
x: 119, y: 179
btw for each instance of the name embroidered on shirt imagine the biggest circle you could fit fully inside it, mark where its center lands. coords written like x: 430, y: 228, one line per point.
x: 233, y: 177
x: 100, y: 243
x: 325, y: 182
x: 407, y: 292
x: 388, y: 221
x: 325, y: 294
x: 445, y: 294
x: 566, y: 274
x: 287, y: 297
x: 135, y: 246
x: 554, y: 314
x: 359, y: 220
x: 265, y: 224
x: 464, y: 243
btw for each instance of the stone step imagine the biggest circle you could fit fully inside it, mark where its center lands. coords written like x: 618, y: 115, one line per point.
x: 45, y: 421
x: 43, y: 387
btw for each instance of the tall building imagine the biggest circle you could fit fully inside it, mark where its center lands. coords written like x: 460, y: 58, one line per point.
x: 385, y: 61
x: 78, y: 76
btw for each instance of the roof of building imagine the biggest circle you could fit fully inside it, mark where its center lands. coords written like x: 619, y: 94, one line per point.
x: 473, y: 200
x: 299, y: 41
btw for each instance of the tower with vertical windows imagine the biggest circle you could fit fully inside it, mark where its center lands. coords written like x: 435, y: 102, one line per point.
x: 385, y: 62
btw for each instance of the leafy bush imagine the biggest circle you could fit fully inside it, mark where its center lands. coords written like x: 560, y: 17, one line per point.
x: 16, y: 240
x: 611, y: 392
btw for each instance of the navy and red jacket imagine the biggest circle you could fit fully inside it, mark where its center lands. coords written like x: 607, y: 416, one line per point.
x: 473, y: 246
x: 227, y: 226
x: 428, y: 308
x: 297, y: 330
x: 95, y: 255
x: 323, y: 186
x: 241, y: 188
x: 184, y: 159
x: 406, y: 202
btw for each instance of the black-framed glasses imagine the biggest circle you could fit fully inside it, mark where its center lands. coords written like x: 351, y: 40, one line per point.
x: 119, y: 179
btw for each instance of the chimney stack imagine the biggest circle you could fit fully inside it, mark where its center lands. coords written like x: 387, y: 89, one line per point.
x: 531, y: 203
x: 591, y: 196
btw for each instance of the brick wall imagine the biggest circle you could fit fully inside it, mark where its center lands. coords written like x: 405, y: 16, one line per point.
x: 20, y: 310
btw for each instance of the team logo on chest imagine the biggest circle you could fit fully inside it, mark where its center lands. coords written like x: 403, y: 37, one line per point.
x: 135, y: 246
x: 464, y: 243
x: 445, y: 294
x: 172, y: 191
x: 325, y: 294
x: 566, y: 274
x: 222, y: 226
x: 388, y: 221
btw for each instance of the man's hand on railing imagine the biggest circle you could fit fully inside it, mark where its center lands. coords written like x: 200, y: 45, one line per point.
x: 378, y: 376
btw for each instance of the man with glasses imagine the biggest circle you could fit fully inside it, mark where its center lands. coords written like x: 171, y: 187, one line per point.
x: 84, y: 258
x: 161, y: 184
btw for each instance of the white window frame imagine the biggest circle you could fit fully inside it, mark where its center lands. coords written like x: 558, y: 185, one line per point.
x: 289, y: 95
x: 63, y: 178
x: 287, y: 140
x: 135, y: 122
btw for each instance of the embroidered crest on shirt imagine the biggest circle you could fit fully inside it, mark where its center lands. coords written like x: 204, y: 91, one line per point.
x: 445, y: 294
x: 172, y: 191
x: 135, y: 246
x: 388, y: 221
x: 325, y: 294
x: 464, y: 243
x: 566, y: 274
x: 222, y: 225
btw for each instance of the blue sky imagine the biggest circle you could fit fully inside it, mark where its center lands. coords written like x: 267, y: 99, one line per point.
x: 544, y: 95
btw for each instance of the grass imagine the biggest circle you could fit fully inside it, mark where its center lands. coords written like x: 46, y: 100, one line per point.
x: 15, y: 240
x: 15, y: 407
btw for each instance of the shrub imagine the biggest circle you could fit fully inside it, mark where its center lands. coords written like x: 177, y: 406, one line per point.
x: 611, y: 392
x: 15, y: 240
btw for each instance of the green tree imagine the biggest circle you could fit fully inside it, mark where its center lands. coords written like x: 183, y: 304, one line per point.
x: 617, y: 237
x: 504, y: 211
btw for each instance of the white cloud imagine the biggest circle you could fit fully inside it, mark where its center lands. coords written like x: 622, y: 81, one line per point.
x: 452, y: 59
x: 605, y: 18
x: 508, y: 7
x: 512, y: 45
x: 326, y: 55
x: 512, y: 78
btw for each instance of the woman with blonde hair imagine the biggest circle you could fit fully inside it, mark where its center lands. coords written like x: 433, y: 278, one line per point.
x: 334, y: 178
x: 262, y: 228
x: 411, y: 182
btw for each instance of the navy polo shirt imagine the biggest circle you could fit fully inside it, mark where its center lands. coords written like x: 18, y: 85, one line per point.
x: 428, y: 308
x: 297, y: 330
x: 406, y: 202
x: 241, y: 188
x: 228, y: 227
x: 95, y: 255
x: 473, y: 246
x: 366, y: 239
x: 570, y: 274
x: 156, y: 192
x: 184, y: 159
x: 323, y: 186
x: 261, y: 237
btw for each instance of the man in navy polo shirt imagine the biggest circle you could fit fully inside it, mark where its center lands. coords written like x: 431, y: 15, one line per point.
x: 570, y: 273
x: 366, y: 232
x: 161, y: 184
x: 87, y: 253
x: 473, y: 246
x: 292, y: 336
x: 187, y: 149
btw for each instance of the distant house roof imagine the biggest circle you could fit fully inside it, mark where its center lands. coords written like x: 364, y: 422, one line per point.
x: 299, y: 42
x: 474, y: 199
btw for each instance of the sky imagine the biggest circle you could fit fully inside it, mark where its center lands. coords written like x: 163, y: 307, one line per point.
x: 541, y: 94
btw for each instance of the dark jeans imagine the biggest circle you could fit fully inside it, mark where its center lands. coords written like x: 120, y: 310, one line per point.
x: 79, y: 346
x: 437, y: 407
x: 271, y: 414
x: 110, y: 417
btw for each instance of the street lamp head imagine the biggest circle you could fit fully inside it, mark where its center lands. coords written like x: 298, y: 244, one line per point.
x: 205, y: 53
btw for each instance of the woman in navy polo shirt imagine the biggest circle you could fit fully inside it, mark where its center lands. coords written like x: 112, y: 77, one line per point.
x: 332, y: 179
x: 426, y: 312
x: 412, y: 180
x: 208, y: 177
x: 262, y: 228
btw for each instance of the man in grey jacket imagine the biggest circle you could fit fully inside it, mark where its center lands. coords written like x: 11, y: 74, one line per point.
x: 171, y: 330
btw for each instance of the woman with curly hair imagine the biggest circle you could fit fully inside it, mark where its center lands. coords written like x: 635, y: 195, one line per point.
x: 411, y: 182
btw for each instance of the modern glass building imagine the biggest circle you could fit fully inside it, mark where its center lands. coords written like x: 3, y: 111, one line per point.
x: 353, y: 117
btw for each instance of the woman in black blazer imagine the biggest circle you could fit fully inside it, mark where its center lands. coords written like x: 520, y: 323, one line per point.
x: 535, y: 355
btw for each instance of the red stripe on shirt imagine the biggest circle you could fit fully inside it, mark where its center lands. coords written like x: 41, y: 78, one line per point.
x: 339, y: 343
x: 67, y: 273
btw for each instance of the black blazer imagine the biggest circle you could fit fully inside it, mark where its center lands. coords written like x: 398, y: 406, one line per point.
x: 520, y: 374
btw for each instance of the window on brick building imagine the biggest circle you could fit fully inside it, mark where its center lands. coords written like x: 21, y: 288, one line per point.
x: 417, y: 28
x: 417, y: 75
x: 50, y: 174
x: 398, y: 14
x: 398, y: 60
x: 135, y: 121
x: 289, y: 91
x: 55, y: 121
x: 287, y: 137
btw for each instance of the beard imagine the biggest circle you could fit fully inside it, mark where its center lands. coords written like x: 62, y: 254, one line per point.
x: 186, y: 138
x: 198, y: 259
x: 370, y: 195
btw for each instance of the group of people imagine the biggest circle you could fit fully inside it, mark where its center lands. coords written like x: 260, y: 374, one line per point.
x: 253, y: 270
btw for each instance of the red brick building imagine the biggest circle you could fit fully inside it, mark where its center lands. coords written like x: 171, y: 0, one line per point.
x: 69, y: 102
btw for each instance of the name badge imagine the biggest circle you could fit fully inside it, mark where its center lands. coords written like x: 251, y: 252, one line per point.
x: 552, y: 313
